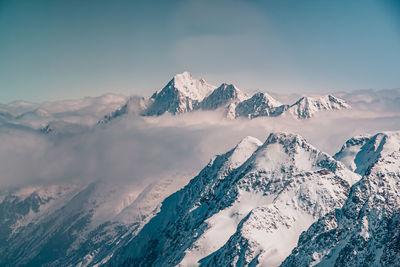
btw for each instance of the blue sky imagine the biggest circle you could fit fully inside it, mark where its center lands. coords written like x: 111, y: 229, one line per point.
x: 66, y: 49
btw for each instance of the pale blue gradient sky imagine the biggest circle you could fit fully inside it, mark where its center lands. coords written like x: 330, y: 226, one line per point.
x: 67, y: 49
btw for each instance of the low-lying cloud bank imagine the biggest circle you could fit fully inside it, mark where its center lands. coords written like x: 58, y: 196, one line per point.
x: 135, y: 151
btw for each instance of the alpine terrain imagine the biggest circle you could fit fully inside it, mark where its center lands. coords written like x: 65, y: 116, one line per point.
x: 184, y: 93
x: 281, y: 202
x: 365, y: 231
x: 246, y: 207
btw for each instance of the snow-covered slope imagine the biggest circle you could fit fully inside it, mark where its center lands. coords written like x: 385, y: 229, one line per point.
x: 359, y: 152
x: 181, y: 211
x: 260, y: 104
x: 23, y: 210
x: 237, y: 207
x: 247, y: 207
x: 222, y: 96
x: 181, y: 94
x: 365, y: 232
x: 91, y: 220
x: 307, y: 107
x: 312, y: 185
x: 190, y: 87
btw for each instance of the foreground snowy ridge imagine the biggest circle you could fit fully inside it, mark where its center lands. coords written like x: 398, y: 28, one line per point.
x: 366, y: 230
x: 233, y: 214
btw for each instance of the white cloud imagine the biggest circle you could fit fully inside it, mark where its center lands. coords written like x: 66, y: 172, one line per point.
x: 135, y: 151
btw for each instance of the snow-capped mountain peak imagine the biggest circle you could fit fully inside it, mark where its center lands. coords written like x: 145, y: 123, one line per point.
x: 307, y: 106
x: 222, y: 96
x: 268, y: 98
x: 243, y: 150
x: 260, y: 104
x: 361, y: 152
x: 182, y: 94
x: 284, y: 153
x: 350, y: 151
x: 240, y: 204
x: 299, y: 184
x: 191, y: 87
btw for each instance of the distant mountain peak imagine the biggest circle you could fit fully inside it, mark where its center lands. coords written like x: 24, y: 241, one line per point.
x: 184, y: 93
x: 222, y: 96
x: 260, y: 104
x: 267, y: 98
x: 307, y: 107
x: 195, y: 89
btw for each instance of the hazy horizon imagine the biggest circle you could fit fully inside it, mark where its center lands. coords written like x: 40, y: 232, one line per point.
x: 53, y: 50
x: 275, y: 94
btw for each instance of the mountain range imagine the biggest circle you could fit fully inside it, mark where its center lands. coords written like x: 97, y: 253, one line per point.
x: 184, y: 93
x: 281, y: 201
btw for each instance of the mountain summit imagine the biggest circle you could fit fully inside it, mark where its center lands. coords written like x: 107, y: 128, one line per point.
x: 222, y: 97
x: 241, y: 204
x: 260, y: 104
x: 306, y: 107
x: 189, y: 86
x: 182, y: 94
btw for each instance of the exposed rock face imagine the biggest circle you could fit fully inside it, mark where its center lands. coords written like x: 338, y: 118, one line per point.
x: 182, y: 94
x: 365, y: 232
x: 222, y: 97
x: 237, y: 208
x: 249, y: 206
x: 260, y: 104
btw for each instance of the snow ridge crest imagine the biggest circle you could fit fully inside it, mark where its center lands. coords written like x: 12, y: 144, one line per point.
x: 184, y: 93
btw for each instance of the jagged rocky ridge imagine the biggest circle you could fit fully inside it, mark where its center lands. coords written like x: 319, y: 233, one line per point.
x: 365, y: 232
x: 239, y: 206
x: 184, y: 94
